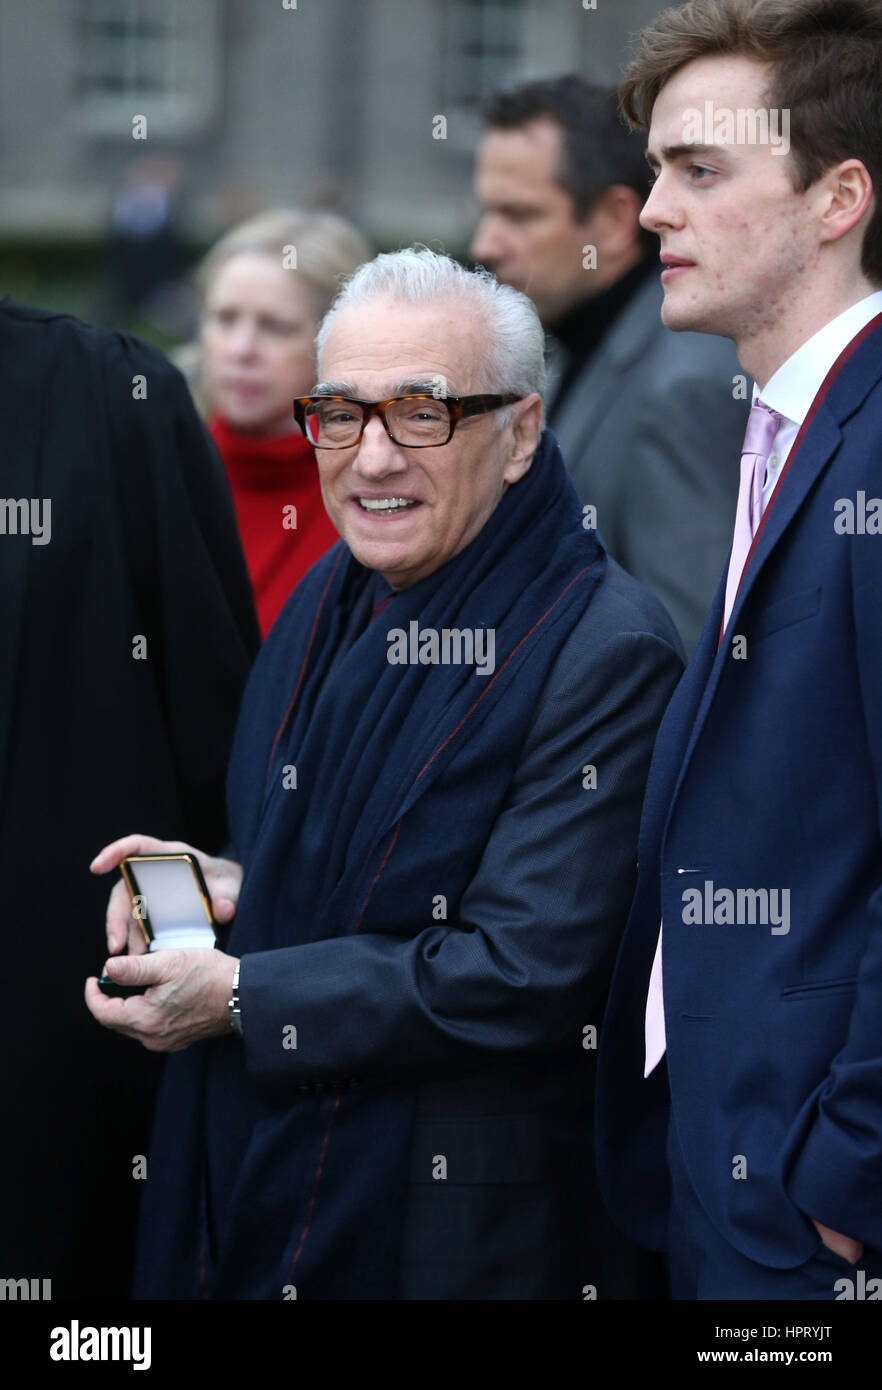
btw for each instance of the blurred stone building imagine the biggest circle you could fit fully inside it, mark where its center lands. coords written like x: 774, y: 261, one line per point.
x: 279, y: 100
x: 369, y: 106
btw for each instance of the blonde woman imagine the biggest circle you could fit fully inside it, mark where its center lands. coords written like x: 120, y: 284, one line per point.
x: 264, y: 288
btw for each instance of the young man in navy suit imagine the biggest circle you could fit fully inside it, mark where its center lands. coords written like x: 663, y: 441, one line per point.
x: 740, y: 1086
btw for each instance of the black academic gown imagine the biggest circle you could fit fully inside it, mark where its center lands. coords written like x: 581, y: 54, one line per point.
x: 96, y: 742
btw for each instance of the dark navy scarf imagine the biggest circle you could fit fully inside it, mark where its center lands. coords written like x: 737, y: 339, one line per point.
x: 370, y: 823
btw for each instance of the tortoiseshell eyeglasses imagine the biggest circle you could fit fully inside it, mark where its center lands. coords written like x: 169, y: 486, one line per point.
x: 416, y: 422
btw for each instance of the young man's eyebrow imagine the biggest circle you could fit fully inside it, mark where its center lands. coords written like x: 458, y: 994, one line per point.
x: 672, y: 152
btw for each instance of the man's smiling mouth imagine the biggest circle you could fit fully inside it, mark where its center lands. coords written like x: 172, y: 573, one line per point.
x: 385, y: 506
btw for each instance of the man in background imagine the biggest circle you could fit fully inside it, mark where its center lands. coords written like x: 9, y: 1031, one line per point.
x: 647, y: 420
x: 126, y: 637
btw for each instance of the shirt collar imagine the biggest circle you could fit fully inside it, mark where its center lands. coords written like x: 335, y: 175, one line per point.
x: 793, y: 387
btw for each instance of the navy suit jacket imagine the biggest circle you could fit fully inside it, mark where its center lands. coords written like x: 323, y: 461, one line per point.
x: 766, y: 774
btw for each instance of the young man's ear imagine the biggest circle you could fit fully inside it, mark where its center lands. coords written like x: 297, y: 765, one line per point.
x: 526, y: 427
x: 847, y: 193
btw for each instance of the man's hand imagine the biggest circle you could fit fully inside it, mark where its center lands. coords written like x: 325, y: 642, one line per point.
x: 223, y: 878
x: 849, y: 1249
x: 187, y: 999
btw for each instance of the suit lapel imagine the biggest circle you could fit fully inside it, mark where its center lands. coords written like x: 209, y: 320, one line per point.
x: 814, y: 453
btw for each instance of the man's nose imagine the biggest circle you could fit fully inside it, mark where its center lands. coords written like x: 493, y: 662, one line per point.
x: 377, y: 455
x: 659, y: 210
x: 487, y: 246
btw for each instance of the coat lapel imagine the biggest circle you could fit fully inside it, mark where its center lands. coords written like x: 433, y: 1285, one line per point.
x: 816, y: 451
x: 818, y: 445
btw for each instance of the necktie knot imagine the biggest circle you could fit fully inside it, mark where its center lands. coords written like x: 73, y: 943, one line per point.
x: 762, y: 426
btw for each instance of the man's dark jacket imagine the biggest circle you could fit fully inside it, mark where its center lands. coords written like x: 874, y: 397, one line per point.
x: 96, y: 742
x: 433, y: 908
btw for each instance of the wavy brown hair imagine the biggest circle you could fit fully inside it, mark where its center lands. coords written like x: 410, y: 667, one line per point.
x: 824, y: 57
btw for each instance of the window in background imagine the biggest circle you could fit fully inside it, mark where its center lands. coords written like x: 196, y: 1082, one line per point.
x: 156, y: 58
x: 484, y: 49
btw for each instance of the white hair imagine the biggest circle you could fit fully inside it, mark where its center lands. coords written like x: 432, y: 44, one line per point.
x: 513, y: 360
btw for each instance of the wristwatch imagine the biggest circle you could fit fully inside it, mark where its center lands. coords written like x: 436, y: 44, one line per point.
x: 234, y: 1006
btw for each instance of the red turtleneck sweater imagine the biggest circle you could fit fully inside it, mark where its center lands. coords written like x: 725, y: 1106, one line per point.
x: 266, y: 476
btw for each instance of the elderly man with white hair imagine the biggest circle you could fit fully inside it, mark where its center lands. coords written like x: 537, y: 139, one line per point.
x: 434, y: 796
